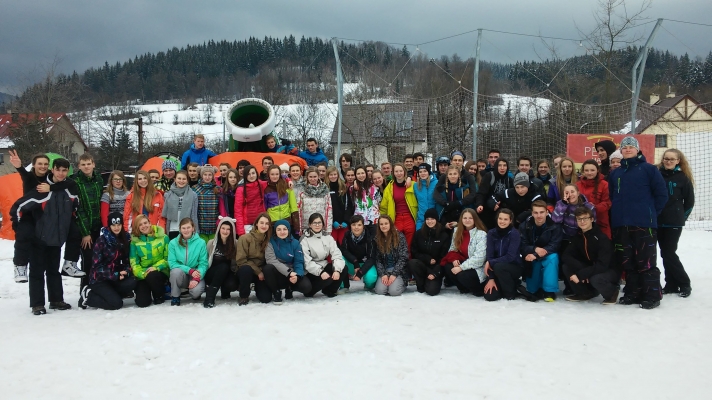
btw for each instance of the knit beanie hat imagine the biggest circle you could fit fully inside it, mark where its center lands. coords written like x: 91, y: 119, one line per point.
x: 115, y: 218
x: 616, y: 154
x: 168, y: 164
x: 521, y: 179
x: 283, y: 222
x: 431, y: 213
x: 630, y: 141
x: 424, y: 166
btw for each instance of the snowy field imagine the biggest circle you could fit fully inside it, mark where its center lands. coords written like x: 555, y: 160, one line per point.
x: 361, y: 345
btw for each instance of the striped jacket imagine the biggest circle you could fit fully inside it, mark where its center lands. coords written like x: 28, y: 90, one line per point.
x: 208, y: 207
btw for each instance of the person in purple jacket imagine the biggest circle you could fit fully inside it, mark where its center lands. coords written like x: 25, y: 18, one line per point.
x: 504, y: 264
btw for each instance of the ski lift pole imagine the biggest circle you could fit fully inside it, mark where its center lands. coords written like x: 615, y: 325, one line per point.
x: 638, y: 76
x: 475, y: 89
x: 340, y: 97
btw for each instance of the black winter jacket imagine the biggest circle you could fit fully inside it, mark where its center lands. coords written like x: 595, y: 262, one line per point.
x: 428, y: 244
x: 548, y: 239
x: 466, y: 178
x: 591, y: 252
x: 521, y: 206
x: 681, y: 199
x: 362, y: 252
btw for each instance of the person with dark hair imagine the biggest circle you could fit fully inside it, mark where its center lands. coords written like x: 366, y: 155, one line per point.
x: 284, y: 268
x: 267, y: 162
x: 504, y: 264
x: 46, y: 221
x: 313, y: 154
x: 114, y: 197
x: 493, y: 183
x: 638, y: 196
x: 154, y: 175
x: 408, y: 164
x: 253, y: 190
x: 197, y: 153
x: 110, y: 277
x: 464, y: 264
x: 587, y: 262
x: 241, y: 171
x: 321, y: 169
x: 423, y: 189
x: 345, y: 162
x: 391, y: 258
x: 222, y: 254
x: 168, y: 177
x: 594, y: 187
x: 430, y: 244
x: 318, y: 248
x: 342, y: 206
x: 519, y: 199
x: 441, y: 164
x: 228, y: 189
x: 605, y: 148
x: 492, y: 156
x: 540, y: 241
x: 148, y: 257
x: 677, y: 174
x: 543, y: 173
x: 418, y: 158
x: 179, y: 202
x: 188, y: 261
x: 359, y: 251
x: 250, y: 261
x: 193, y: 176
x: 524, y: 164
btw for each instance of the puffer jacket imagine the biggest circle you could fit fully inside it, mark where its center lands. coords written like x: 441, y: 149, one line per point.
x: 193, y: 256
x: 400, y: 258
x: 548, y: 237
x: 249, y: 206
x: 285, y: 254
x: 638, y: 193
x: 149, y: 251
x: 503, y: 246
x: 428, y: 244
x: 476, y: 252
x: 155, y: 214
x: 317, y: 249
x: 564, y: 215
x: 424, y: 198
x: 315, y: 158
x: 109, y: 258
x: 284, y: 207
x: 681, y: 199
x: 315, y: 199
x: 249, y: 251
x: 521, y: 206
x: 194, y: 155
x: 601, y: 201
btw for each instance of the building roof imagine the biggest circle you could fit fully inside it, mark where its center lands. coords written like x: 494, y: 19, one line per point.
x: 652, y: 113
x: 7, y: 122
x: 389, y: 122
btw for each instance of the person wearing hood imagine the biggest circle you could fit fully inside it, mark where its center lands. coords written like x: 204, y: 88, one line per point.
x: 148, y: 256
x: 680, y: 184
x: 144, y: 199
x: 424, y: 188
x: 519, y: 199
x: 605, y: 148
x: 318, y: 248
x: 250, y: 261
x: 594, y: 186
x: 284, y: 268
x: 615, y: 161
x: 430, y: 244
x: 359, y: 251
x: 249, y: 200
x: 587, y: 262
x: 197, y: 153
x: 314, y: 198
x: 639, y: 194
x: 188, y: 261
x: 540, y: 241
x: 222, y: 253
x: 504, y: 263
x: 179, y: 202
x: 493, y: 182
x: 313, y: 154
x: 110, y: 277
x: 208, y: 203
x: 168, y: 177
x: 279, y: 198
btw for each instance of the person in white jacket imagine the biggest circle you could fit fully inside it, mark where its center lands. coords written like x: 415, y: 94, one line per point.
x: 317, y: 246
x: 464, y: 264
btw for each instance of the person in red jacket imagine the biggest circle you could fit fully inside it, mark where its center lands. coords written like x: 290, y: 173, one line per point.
x: 594, y: 186
x: 249, y: 200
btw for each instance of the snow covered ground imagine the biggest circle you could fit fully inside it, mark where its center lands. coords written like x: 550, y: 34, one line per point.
x: 361, y: 345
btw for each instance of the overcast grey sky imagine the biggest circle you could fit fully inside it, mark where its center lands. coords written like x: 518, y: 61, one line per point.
x: 85, y: 34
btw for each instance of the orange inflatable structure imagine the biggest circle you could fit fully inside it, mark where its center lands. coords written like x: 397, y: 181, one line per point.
x: 255, y: 159
x: 11, y: 191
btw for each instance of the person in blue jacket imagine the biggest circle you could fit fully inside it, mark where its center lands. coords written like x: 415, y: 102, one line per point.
x: 285, y: 263
x: 423, y: 190
x: 638, y: 195
x: 313, y: 154
x: 504, y: 263
x: 197, y: 152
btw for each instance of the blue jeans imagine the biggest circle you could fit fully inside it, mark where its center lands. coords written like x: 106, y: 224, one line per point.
x: 545, y: 274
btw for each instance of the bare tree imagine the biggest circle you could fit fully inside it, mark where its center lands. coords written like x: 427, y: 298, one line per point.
x: 305, y: 121
x: 114, y: 127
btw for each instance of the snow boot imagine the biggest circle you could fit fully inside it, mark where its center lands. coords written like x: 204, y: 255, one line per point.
x: 59, y: 305
x: 277, y: 297
x: 210, y: 293
x: 39, y: 310
x: 175, y: 301
x: 649, y: 304
x: 549, y: 297
x: 21, y: 273
x: 243, y: 301
x: 685, y: 291
x: 288, y: 293
x: 611, y: 300
x: 526, y: 295
x: 628, y: 300
x: 669, y: 289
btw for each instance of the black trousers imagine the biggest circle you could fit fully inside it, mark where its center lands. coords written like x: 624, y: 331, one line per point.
x: 73, y: 247
x: 276, y: 281
x: 327, y: 286
x: 151, y: 288
x: 507, y: 277
x: 87, y: 256
x: 217, y: 274
x: 44, y: 261
x: 109, y: 295
x: 675, y: 275
x: 24, y: 242
x: 467, y: 281
x: 173, y: 235
x: 421, y: 271
x: 637, y: 252
x: 243, y: 278
x: 605, y: 283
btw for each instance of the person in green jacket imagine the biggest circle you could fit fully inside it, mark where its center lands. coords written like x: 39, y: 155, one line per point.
x: 188, y: 260
x: 149, y: 261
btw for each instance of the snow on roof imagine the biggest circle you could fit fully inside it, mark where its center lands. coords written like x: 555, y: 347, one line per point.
x: 626, y: 128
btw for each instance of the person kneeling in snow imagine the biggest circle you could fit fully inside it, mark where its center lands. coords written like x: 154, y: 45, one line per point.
x: 359, y: 250
x: 110, y: 277
x: 587, y: 261
x: 540, y: 240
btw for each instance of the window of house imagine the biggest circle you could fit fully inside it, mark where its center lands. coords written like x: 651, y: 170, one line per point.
x: 661, y: 141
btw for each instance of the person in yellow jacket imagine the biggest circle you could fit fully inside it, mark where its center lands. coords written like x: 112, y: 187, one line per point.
x: 400, y: 204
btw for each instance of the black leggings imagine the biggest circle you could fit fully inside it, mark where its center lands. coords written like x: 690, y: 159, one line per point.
x: 466, y: 280
x: 152, y: 287
x: 327, y: 286
x: 109, y: 295
x: 421, y: 271
x: 217, y: 274
x: 241, y: 282
x: 276, y: 281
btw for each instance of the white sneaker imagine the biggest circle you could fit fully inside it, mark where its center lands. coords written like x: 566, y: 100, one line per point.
x: 70, y: 268
x: 21, y: 273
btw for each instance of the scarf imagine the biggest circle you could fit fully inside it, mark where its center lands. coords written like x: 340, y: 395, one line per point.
x: 320, y: 190
x: 503, y: 232
x: 545, y: 178
x: 357, y: 239
x: 172, y: 202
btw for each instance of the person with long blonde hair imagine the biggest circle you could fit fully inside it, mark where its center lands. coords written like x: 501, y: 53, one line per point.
x: 681, y: 198
x: 148, y: 256
x: 144, y: 199
x: 464, y: 263
x: 565, y: 174
x: 392, y: 256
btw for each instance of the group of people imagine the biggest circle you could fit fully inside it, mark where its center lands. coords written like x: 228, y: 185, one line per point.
x: 477, y: 225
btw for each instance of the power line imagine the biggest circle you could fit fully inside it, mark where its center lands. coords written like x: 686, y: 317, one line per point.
x: 687, y: 22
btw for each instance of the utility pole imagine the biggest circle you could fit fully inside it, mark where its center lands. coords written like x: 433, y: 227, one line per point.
x: 638, y: 80
x: 340, y: 96
x: 475, y: 89
x: 140, y: 141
